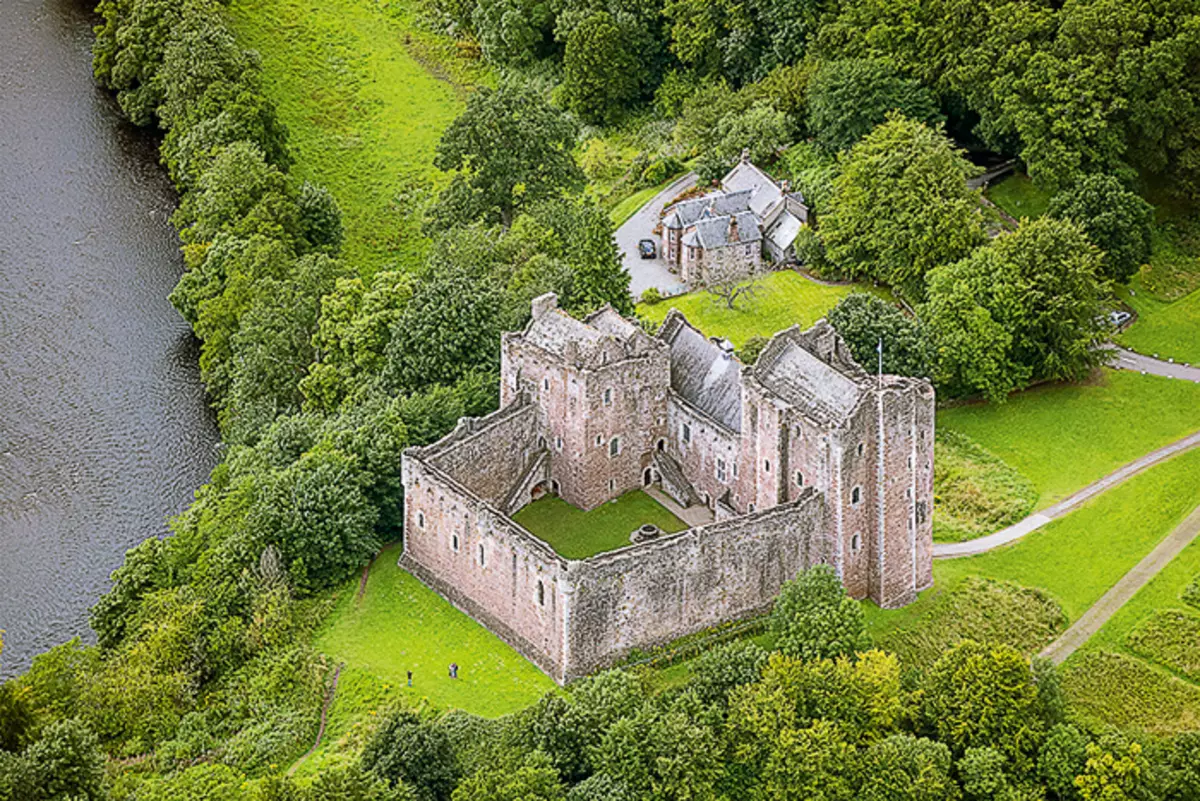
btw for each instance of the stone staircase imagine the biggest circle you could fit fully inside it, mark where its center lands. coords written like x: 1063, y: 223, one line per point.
x: 674, y: 483
x: 537, y: 470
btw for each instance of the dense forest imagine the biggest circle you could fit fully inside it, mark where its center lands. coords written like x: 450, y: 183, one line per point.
x: 205, y: 682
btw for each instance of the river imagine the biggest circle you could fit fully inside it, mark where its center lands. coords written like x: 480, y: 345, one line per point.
x: 104, y: 429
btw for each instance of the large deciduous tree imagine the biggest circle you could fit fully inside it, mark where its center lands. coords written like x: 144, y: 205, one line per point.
x: 1115, y: 219
x: 814, y: 618
x: 849, y: 97
x: 901, y: 206
x: 866, y: 321
x: 600, y: 72
x: 511, y: 150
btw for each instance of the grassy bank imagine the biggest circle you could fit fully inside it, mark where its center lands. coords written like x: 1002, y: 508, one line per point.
x: 783, y: 299
x: 365, y: 95
x: 401, y: 625
x: 1063, y: 437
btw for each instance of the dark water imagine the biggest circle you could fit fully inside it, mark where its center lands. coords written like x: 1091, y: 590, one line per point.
x: 104, y: 432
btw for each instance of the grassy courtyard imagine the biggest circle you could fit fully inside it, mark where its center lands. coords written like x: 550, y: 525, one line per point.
x: 365, y: 96
x: 576, y: 534
x: 783, y: 299
x: 401, y: 625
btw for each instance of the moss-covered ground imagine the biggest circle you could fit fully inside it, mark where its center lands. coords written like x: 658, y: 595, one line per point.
x: 365, y: 94
x: 401, y: 625
x: 576, y: 534
x: 783, y: 299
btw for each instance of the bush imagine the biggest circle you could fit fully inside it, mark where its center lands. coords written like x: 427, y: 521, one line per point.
x: 975, y: 491
x: 814, y: 619
x: 720, y: 669
x: 752, y: 349
x: 416, y: 752
x: 652, y: 296
x: 1171, y: 638
x: 1191, y: 593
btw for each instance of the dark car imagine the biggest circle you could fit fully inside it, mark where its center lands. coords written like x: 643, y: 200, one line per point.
x: 646, y: 249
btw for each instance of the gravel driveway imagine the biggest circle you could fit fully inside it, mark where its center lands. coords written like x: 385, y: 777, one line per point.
x: 646, y: 273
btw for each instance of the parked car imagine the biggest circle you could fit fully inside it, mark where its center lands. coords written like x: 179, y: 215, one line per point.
x: 1119, y: 318
x: 646, y: 249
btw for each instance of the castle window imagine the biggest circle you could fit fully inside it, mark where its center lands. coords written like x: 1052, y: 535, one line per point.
x: 558, y: 443
x: 599, y: 440
x: 614, y: 446
x: 855, y: 495
x: 767, y: 465
x: 908, y: 493
x: 799, y: 432
x: 608, y: 397
x: 541, y: 594
x: 735, y: 469
x: 860, y: 449
x: 420, y: 520
x: 612, y: 485
x: 910, y: 463
x: 720, y: 469
x: 546, y: 383
x: 482, y: 558
x: 799, y: 479
x: 855, y: 542
x: 687, y: 433
x: 454, y: 542
x: 751, y: 508
x: 541, y: 443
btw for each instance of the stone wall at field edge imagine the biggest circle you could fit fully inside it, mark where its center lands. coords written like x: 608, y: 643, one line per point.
x: 655, y: 592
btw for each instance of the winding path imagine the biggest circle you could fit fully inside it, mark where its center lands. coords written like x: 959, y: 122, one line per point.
x: 1095, y: 617
x: 1124, y: 360
x: 646, y: 273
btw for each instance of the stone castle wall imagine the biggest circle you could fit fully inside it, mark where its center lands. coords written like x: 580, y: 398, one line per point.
x: 707, y: 442
x: 490, y: 453
x: 658, y: 591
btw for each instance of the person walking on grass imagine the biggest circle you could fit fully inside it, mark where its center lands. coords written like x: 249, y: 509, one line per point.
x: 454, y: 670
x: 410, y: 678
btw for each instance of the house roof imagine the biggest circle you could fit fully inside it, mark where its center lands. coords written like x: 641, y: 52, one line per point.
x: 718, y: 203
x: 713, y: 232
x: 764, y: 192
x: 702, y: 372
x: 782, y: 232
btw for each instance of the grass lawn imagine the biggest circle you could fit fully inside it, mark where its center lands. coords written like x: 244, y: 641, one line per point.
x: 625, y: 209
x: 365, y: 96
x: 1075, y: 559
x: 576, y: 534
x: 1017, y: 196
x: 785, y: 298
x: 1063, y: 437
x: 402, y: 625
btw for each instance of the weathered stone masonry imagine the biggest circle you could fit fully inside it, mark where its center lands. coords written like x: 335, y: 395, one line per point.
x: 803, y: 459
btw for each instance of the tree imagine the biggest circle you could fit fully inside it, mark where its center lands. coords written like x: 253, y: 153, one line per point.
x: 1061, y: 759
x: 536, y: 780
x: 814, y: 619
x: 904, y: 768
x: 849, y: 97
x: 416, y: 752
x: 810, y: 763
x: 1115, y: 770
x: 1116, y: 220
x: 512, y: 150
x: 600, y: 72
x: 982, y: 773
x: 720, y: 669
x: 558, y: 728
x: 17, y: 720
x: 141, y: 572
x: 865, y: 321
x: 317, y: 514
x: 983, y: 696
x: 761, y: 129
x: 320, y: 218
x: 1030, y: 305
x: 901, y: 206
x: 67, y: 762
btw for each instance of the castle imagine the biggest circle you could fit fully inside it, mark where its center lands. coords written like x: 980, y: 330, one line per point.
x: 800, y: 459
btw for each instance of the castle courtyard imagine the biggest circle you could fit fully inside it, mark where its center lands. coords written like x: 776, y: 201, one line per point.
x: 576, y: 534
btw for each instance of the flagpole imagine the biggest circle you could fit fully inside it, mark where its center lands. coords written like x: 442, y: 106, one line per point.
x: 879, y: 352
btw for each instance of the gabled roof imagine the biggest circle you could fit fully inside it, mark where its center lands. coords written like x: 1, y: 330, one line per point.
x: 713, y: 232
x: 745, y: 177
x: 782, y: 232
x: 686, y: 212
x: 813, y: 371
x: 702, y: 372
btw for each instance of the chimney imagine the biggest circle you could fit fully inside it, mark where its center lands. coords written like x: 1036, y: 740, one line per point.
x: 784, y: 185
x: 745, y: 155
x: 733, y: 229
x: 544, y: 304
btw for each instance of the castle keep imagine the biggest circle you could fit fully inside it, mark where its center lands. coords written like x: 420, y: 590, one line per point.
x: 803, y: 458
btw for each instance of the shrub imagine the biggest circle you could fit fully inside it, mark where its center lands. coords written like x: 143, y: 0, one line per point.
x: 1113, y: 689
x: 720, y: 669
x: 652, y: 296
x: 814, y: 619
x: 1191, y: 593
x: 1169, y: 637
x: 975, y: 491
x: 416, y: 752
x: 752, y: 349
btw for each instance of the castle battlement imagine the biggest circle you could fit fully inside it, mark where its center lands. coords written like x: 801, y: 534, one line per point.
x: 803, y: 458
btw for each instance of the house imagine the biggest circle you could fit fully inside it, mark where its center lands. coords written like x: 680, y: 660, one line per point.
x: 726, y: 233
x: 803, y: 458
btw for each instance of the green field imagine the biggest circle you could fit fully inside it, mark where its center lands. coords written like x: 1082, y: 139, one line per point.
x: 1062, y: 437
x: 784, y: 299
x: 1168, y: 329
x: 1018, y: 197
x: 1075, y: 559
x: 365, y: 96
x: 402, y: 625
x: 576, y: 534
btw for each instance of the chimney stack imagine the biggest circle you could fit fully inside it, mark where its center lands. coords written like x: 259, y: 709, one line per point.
x: 733, y: 229
x: 745, y: 155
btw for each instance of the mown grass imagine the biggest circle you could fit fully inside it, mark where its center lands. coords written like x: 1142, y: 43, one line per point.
x: 402, y: 625
x: 625, y: 209
x: 1019, y: 197
x: 974, y: 491
x: 1167, y: 329
x: 576, y: 534
x: 783, y: 299
x: 365, y: 95
x: 1074, y: 560
x: 1062, y: 437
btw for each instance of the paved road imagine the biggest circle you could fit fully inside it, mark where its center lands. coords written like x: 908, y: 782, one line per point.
x: 950, y: 550
x: 1094, y: 618
x: 646, y: 273
x: 1128, y: 360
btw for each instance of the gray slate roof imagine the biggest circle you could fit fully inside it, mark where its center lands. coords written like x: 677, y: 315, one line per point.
x: 702, y: 373
x: 686, y: 212
x: 797, y: 375
x: 713, y: 232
